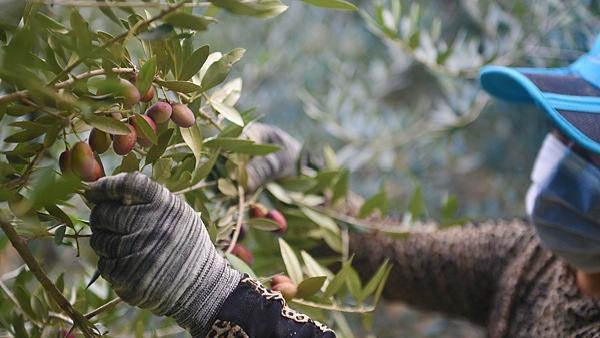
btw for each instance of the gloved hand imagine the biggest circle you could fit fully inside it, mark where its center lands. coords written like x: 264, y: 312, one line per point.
x: 283, y: 163
x: 156, y: 253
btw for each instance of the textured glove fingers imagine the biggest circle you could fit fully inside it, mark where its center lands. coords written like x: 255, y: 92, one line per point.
x: 126, y: 188
x: 282, y: 163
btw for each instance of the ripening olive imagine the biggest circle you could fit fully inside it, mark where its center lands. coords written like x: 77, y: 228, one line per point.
x: 160, y: 112
x: 99, y: 141
x: 123, y: 144
x: 183, y: 116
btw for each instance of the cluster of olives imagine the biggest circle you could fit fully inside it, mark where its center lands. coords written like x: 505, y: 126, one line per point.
x: 258, y: 210
x: 82, y: 159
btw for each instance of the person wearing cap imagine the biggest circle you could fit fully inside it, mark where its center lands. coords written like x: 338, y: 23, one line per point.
x: 517, y: 279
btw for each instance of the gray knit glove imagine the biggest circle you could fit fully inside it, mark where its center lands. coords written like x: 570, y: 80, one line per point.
x: 283, y: 163
x: 156, y: 252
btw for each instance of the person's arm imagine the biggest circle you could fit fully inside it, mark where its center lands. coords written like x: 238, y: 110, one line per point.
x: 156, y: 253
x: 454, y: 271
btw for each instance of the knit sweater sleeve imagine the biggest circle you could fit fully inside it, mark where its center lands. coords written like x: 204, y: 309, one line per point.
x: 454, y: 271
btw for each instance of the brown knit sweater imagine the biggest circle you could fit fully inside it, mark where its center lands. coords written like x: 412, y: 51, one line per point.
x: 495, y: 274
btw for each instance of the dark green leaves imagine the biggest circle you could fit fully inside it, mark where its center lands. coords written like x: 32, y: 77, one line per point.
x: 241, y: 146
x: 218, y: 71
x: 333, y: 4
x: 108, y: 125
x: 146, y: 75
x: 189, y: 21
x: 261, y: 9
x: 193, y: 63
x: 179, y: 86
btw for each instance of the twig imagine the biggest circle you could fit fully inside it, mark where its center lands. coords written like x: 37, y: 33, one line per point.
x: 80, y: 321
x: 349, y: 309
x: 199, y: 185
x: 73, y: 3
x: 60, y: 85
x: 240, y: 218
x: 131, y: 32
x: 103, y: 308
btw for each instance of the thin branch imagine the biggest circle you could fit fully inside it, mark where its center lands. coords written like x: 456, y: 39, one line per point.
x: 80, y: 321
x: 240, y: 219
x: 131, y: 32
x: 103, y: 308
x: 74, y: 3
x: 349, y: 309
x: 60, y: 85
x: 199, y: 185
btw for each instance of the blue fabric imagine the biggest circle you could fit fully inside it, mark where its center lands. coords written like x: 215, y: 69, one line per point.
x: 512, y: 84
x: 563, y: 203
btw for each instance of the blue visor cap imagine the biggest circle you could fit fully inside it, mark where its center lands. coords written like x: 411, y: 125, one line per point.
x: 570, y: 95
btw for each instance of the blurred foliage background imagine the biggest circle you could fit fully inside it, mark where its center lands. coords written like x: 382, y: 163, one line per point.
x: 402, y: 117
x: 393, y: 89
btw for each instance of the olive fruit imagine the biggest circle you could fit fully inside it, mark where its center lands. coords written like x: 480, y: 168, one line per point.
x: 277, y: 279
x: 183, y: 116
x: 160, y: 112
x: 82, y: 160
x: 258, y: 211
x: 243, y: 253
x: 278, y: 218
x: 99, y: 141
x: 123, y: 144
x: 143, y: 141
x: 96, y: 173
x: 64, y: 162
x: 288, y: 290
x: 149, y: 95
x: 130, y: 93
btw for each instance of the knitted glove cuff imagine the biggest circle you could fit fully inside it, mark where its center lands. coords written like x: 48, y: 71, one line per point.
x: 203, y: 299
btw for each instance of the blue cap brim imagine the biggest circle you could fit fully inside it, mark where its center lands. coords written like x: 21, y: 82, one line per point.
x: 512, y: 84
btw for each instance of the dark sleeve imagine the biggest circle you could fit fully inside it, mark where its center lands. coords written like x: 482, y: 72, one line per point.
x: 454, y: 271
x: 252, y: 310
x: 591, y: 331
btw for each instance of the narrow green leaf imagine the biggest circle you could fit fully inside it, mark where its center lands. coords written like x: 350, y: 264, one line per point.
x: 340, y: 189
x: 240, y: 265
x: 205, y: 169
x: 146, y: 75
x: 192, y: 136
x: 228, y: 112
x: 108, y: 125
x: 333, y: 4
x: 292, y: 264
x: 25, y: 135
x: 59, y: 234
x: 161, y: 170
x: 417, y: 204
x: 376, y: 202
x: 226, y: 187
x: 50, y: 23
x: 241, y: 146
x: 218, y: 71
x: 374, y: 282
x: 263, y: 224
x: 310, y: 286
x: 320, y: 219
x: 130, y: 163
x: 23, y: 298
x: 192, y: 64
x: 338, y: 281
x: 179, y: 86
x: 157, y: 150
x: 159, y: 33
x: 144, y: 129
x: 189, y: 21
